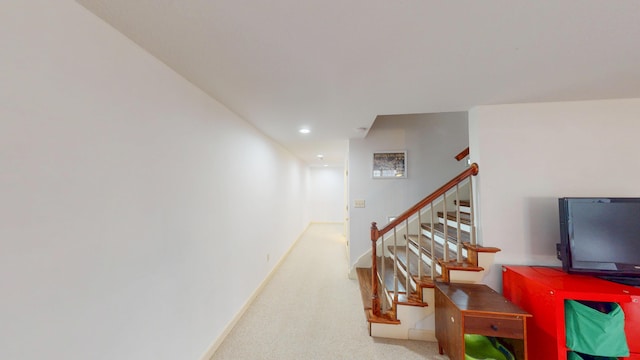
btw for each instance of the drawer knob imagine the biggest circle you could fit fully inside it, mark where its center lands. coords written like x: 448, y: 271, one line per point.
x: 494, y: 328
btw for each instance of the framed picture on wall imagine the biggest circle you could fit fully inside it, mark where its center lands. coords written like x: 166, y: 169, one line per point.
x: 389, y: 165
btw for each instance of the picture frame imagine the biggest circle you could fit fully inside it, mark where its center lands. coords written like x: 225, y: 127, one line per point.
x: 389, y: 165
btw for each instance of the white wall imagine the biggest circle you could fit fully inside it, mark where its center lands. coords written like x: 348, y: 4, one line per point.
x: 431, y: 141
x: 532, y: 154
x: 326, y: 194
x: 136, y: 213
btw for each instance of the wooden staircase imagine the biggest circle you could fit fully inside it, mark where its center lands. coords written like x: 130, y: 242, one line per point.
x: 432, y: 241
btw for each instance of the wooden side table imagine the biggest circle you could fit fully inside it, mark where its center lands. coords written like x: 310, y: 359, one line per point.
x: 477, y: 309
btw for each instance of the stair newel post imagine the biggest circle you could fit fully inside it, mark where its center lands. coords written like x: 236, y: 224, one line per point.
x: 472, y: 220
x: 375, y: 300
x: 420, y: 269
x: 472, y: 233
x: 458, y: 242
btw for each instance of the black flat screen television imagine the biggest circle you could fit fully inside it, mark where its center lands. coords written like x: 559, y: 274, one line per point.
x: 601, y: 237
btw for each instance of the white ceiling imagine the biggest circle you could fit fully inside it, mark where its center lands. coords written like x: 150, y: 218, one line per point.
x: 334, y: 65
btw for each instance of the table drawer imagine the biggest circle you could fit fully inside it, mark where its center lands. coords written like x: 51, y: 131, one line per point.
x: 507, y: 327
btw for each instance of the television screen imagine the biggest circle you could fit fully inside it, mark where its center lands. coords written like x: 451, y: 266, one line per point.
x: 600, y: 236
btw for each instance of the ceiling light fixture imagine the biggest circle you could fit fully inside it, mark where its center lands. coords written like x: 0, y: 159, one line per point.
x: 304, y: 131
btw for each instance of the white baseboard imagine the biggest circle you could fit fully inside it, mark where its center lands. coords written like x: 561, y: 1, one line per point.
x: 422, y: 335
x: 216, y: 344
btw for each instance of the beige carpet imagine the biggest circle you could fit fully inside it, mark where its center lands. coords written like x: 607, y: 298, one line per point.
x: 311, y: 310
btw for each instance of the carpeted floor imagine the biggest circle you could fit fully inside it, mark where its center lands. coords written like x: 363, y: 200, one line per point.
x: 311, y: 310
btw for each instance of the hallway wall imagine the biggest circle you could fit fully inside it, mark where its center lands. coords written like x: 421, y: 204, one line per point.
x: 128, y: 197
x: 326, y: 194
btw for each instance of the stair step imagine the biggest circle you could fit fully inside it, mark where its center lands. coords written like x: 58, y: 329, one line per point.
x: 466, y: 203
x: 451, y: 232
x: 388, y: 276
x: 414, y: 262
x: 438, y: 247
x: 412, y: 300
x: 425, y: 244
x: 465, y: 218
x: 465, y: 266
x: 364, y: 280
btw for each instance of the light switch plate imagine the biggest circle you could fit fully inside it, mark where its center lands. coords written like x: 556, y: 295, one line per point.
x: 358, y: 203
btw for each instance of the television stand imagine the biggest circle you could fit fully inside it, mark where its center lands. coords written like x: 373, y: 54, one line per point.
x: 630, y: 281
x: 542, y: 291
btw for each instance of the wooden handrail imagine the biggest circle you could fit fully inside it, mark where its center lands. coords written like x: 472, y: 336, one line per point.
x: 462, y: 154
x: 472, y: 170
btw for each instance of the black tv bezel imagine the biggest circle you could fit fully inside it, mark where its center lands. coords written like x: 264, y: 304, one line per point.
x: 564, y: 247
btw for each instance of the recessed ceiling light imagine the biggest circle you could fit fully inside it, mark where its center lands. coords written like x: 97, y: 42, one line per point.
x: 304, y: 131
x: 320, y: 156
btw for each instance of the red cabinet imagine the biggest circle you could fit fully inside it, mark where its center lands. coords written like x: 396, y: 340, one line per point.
x: 541, y: 291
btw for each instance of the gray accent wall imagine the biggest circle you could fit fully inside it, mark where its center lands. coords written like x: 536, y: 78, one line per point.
x: 431, y: 142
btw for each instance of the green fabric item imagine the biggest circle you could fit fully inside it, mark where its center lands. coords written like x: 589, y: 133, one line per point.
x: 478, y: 347
x: 593, y: 332
x: 573, y: 356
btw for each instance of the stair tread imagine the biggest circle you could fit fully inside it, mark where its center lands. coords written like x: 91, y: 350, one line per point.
x: 466, y: 203
x: 465, y: 218
x: 414, y: 260
x: 465, y: 265
x: 425, y: 243
x: 426, y: 281
x: 388, y: 318
x: 451, y: 232
x: 411, y: 300
x: 366, y: 292
x: 483, y: 249
x: 388, y: 278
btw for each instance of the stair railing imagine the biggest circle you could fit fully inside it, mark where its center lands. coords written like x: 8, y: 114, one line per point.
x: 463, y: 154
x: 378, y: 235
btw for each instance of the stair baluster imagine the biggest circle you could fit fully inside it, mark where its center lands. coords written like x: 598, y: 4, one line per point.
x: 395, y: 269
x: 445, y: 255
x: 407, y: 278
x: 420, y: 250
x: 472, y: 230
x: 458, y: 241
x: 432, y: 242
